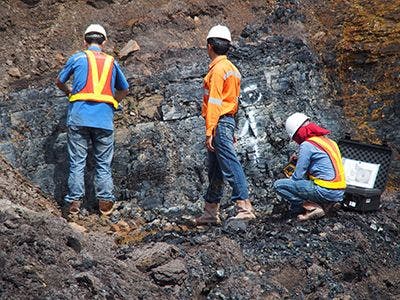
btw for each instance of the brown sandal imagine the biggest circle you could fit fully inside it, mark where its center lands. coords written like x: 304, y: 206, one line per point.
x: 316, y: 213
x: 313, y: 211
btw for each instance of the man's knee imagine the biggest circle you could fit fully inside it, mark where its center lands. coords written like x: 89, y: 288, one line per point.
x: 280, y: 184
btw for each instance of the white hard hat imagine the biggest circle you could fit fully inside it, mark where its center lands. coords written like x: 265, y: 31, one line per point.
x: 221, y: 32
x: 294, y: 122
x: 96, y: 28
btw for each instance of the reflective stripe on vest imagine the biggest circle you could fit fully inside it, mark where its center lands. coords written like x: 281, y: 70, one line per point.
x: 330, y: 148
x: 97, y: 89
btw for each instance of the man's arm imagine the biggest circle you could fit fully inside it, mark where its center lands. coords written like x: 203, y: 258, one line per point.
x: 303, y: 162
x: 121, y: 84
x: 63, y: 87
x: 214, y: 104
x: 65, y: 74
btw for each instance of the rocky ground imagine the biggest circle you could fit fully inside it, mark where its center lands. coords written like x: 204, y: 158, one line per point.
x: 345, y: 256
x: 335, y: 60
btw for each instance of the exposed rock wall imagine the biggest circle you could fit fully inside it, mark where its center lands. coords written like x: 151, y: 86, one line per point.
x: 160, y: 156
x: 162, y: 160
x: 291, y: 58
x: 359, y: 42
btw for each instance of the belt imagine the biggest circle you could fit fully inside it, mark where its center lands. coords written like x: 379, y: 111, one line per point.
x: 227, y: 115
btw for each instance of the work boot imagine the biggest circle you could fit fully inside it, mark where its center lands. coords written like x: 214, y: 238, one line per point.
x: 73, y: 208
x: 244, y: 211
x: 210, y: 215
x: 106, y: 207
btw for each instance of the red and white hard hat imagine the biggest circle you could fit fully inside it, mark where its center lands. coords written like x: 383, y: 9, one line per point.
x: 96, y: 28
x: 294, y: 122
x: 220, y: 31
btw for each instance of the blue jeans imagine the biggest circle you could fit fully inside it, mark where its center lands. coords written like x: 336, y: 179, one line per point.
x: 103, y: 148
x: 298, y: 191
x: 224, y: 164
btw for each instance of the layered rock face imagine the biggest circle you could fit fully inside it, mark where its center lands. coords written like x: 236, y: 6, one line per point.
x: 360, y: 49
x: 323, y: 58
x: 160, y: 158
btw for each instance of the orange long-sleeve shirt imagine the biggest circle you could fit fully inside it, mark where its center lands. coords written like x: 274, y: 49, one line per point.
x: 221, y: 92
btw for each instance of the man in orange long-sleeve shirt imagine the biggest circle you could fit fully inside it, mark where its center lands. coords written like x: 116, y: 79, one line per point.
x: 220, y: 104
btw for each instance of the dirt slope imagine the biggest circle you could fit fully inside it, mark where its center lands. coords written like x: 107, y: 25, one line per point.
x: 42, y: 34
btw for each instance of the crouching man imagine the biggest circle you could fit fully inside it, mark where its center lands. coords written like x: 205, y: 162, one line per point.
x: 318, y: 182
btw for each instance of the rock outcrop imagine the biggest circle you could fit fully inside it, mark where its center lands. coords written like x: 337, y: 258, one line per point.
x: 337, y: 61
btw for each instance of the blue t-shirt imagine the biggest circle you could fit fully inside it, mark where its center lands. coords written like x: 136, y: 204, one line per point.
x: 312, y: 160
x: 86, y: 113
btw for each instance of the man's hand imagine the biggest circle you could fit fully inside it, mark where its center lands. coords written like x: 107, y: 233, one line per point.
x: 293, y: 157
x: 209, y: 145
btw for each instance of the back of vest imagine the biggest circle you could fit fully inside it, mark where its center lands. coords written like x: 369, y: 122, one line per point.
x: 98, y: 84
x: 332, y: 150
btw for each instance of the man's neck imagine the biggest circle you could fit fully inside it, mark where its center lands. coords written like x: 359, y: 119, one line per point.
x: 95, y: 45
x: 213, y: 56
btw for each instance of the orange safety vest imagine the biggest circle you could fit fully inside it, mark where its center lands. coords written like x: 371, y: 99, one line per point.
x: 221, y: 92
x: 332, y: 149
x: 98, y: 82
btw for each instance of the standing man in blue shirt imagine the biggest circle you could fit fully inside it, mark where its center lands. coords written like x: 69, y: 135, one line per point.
x: 97, y: 88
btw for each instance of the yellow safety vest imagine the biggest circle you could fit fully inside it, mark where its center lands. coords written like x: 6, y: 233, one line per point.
x: 98, y: 86
x: 332, y: 149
